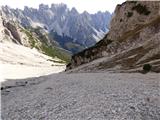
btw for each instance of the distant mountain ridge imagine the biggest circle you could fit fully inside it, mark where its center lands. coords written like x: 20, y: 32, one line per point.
x: 83, y: 30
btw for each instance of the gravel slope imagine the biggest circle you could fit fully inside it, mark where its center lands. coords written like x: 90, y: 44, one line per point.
x: 83, y: 96
x: 19, y: 62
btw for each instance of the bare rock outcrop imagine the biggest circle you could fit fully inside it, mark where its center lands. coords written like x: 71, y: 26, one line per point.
x: 13, y: 30
x: 133, y: 39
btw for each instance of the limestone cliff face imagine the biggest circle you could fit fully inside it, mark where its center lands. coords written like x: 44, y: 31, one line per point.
x: 132, y: 41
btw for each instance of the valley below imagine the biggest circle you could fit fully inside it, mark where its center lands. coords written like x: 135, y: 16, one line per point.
x: 82, y: 96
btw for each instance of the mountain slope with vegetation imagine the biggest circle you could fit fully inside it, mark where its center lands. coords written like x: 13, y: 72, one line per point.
x: 28, y: 52
x: 37, y: 38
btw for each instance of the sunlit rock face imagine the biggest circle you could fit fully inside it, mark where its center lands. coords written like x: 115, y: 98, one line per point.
x: 132, y: 41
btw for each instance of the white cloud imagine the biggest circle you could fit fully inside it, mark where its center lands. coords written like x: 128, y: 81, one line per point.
x: 91, y: 6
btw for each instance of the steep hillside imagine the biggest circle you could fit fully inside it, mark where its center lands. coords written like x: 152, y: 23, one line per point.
x: 81, y: 30
x: 132, y: 41
x: 28, y: 52
x: 17, y: 61
x: 13, y: 32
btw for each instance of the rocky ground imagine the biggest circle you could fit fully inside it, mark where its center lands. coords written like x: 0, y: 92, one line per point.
x: 83, y: 96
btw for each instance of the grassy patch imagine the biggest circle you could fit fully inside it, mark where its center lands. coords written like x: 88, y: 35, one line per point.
x: 75, y: 48
x: 55, y: 52
x: 141, y: 9
x: 32, y: 40
x: 129, y: 14
x: 147, y: 67
x: 44, y: 47
x: 133, y: 2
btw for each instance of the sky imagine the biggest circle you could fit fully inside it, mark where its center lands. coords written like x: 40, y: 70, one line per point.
x: 91, y: 6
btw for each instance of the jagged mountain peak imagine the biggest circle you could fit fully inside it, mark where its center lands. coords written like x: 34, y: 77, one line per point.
x: 85, y: 12
x: 58, y: 5
x: 74, y: 11
x: 84, y: 29
x: 61, y: 6
x: 43, y: 7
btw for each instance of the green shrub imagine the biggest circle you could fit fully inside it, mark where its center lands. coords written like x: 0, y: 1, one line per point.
x: 141, y: 9
x: 133, y: 2
x: 147, y: 67
x: 53, y: 52
x: 129, y: 14
x: 109, y: 41
x: 32, y: 40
